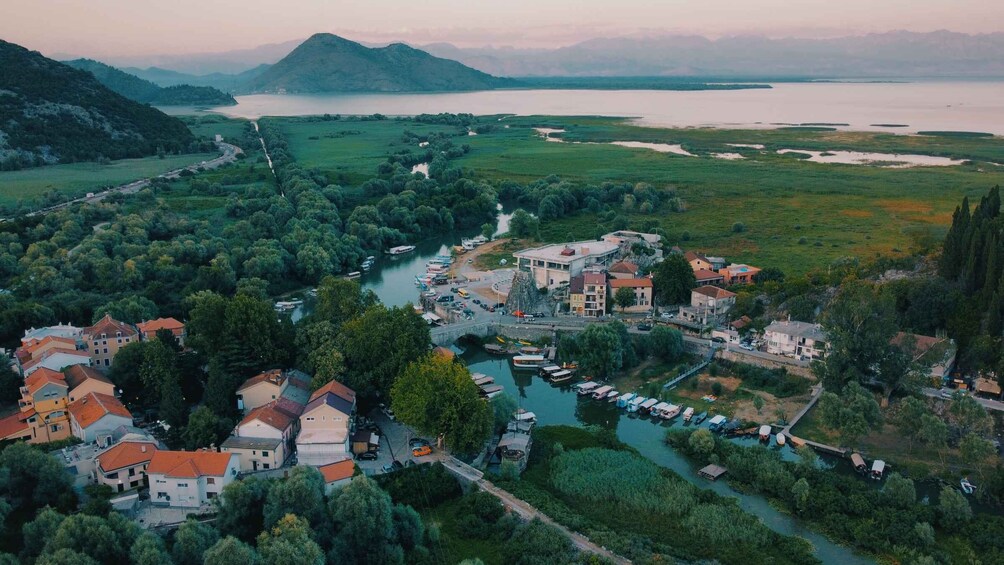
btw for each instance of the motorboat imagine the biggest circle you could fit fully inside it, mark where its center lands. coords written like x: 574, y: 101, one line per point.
x: 670, y: 412
x: 622, y: 400
x: 601, y: 392
x: 700, y: 418
x: 587, y: 388
x: 529, y: 361
x: 688, y: 414
x: 780, y: 438
x: 636, y: 403
x: 765, y: 432
x: 716, y: 422
x: 400, y: 249
x: 646, y: 407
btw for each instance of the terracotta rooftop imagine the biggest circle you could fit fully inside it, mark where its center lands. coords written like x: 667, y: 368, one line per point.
x: 275, y: 377
x: 594, y: 278
x: 631, y: 283
x: 127, y: 454
x: 624, y: 267
x: 110, y: 327
x: 271, y: 415
x: 43, y: 376
x: 692, y: 256
x: 94, y: 406
x: 75, y: 375
x: 338, y: 470
x: 151, y: 326
x: 714, y: 292
x: 13, y: 424
x: 189, y: 464
x: 336, y: 388
x: 34, y: 345
x: 706, y: 275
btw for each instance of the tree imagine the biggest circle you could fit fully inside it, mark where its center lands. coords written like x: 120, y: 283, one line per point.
x: 364, y: 519
x: 65, y: 557
x: 302, y: 493
x: 976, y: 450
x: 504, y: 406
x: 191, y: 542
x: 231, y: 551
x: 624, y: 297
x: 379, y: 344
x: 666, y: 343
x: 523, y: 224
x: 908, y: 418
x: 932, y: 431
x: 536, y: 543
x: 953, y: 509
x: 289, y: 542
x: 757, y: 403
x: 340, y: 300
x: 241, y: 508
x: 601, y: 353
x: 205, y: 428
x: 899, y: 491
x: 31, y: 479
x: 853, y: 413
x: 148, y: 549
x: 673, y: 279
x: 488, y: 230
x: 969, y: 415
x: 800, y: 492
x: 437, y: 396
x: 702, y: 442
x: 131, y: 309
x: 38, y: 532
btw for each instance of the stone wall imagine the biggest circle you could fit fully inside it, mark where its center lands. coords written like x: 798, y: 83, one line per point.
x: 791, y: 365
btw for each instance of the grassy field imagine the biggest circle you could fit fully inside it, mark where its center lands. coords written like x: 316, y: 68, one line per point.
x: 77, y: 179
x: 209, y: 125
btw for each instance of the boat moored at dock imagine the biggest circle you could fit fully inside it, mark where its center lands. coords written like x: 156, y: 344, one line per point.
x: 601, y: 392
x: 400, y: 249
x: 529, y: 361
x: 587, y: 388
x: 624, y: 399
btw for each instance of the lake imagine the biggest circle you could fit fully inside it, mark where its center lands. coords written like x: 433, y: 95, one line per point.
x: 919, y: 106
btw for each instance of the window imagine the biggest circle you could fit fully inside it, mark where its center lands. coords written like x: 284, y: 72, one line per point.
x: 54, y: 428
x: 161, y: 481
x: 264, y: 465
x: 162, y: 495
x: 310, y: 418
x: 182, y: 485
x: 107, y: 362
x: 210, y: 480
x: 112, y: 475
x: 106, y: 350
x: 264, y: 454
x: 132, y: 471
x: 210, y: 495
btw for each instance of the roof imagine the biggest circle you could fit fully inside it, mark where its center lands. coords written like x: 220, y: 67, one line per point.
x: 274, y: 377
x: 60, y: 330
x: 338, y: 471
x: 692, y: 256
x: 558, y: 253
x: 594, y: 278
x: 110, y: 326
x: 987, y: 386
x: 624, y: 267
x: 714, y: 292
x: 336, y: 388
x: 60, y: 350
x: 126, y: 454
x: 233, y: 442
x: 576, y: 285
x: 94, y: 406
x: 152, y: 326
x: 42, y: 377
x: 737, y: 268
x: 11, y: 425
x: 189, y: 464
x: 270, y: 415
x: 741, y: 323
x: 34, y: 345
x: 798, y: 329
x: 75, y: 375
x: 706, y: 275
x: 333, y: 400
x: 631, y: 283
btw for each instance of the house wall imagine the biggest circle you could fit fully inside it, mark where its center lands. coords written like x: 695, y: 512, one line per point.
x: 324, y: 417
x: 92, y: 385
x: 252, y: 460
x: 317, y: 454
x: 57, y: 361
x: 104, y: 425
x: 642, y: 298
x: 123, y: 479
x: 191, y: 492
x: 259, y: 395
x: 102, y: 349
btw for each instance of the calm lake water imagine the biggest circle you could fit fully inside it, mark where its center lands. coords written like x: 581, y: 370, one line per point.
x: 968, y: 106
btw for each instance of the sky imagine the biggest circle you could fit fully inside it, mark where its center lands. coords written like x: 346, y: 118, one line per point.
x: 145, y: 27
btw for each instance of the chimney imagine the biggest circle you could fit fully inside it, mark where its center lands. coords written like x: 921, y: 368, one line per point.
x: 143, y: 448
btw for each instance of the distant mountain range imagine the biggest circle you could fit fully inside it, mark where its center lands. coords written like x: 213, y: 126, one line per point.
x: 144, y: 91
x: 897, y: 54
x: 51, y: 112
x: 328, y: 63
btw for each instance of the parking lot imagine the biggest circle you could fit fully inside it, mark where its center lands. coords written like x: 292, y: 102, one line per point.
x: 393, y: 444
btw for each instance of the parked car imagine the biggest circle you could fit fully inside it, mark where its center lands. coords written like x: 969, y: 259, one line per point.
x: 416, y: 442
x: 387, y: 468
x: 454, y: 289
x: 666, y: 316
x: 747, y: 347
x: 644, y: 327
x: 718, y: 339
x: 491, y: 308
x: 539, y: 314
x: 421, y: 451
x: 367, y: 456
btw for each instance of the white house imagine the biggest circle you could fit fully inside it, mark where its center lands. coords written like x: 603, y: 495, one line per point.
x: 97, y: 414
x: 325, y: 425
x: 189, y: 479
x: 555, y: 265
x: 796, y: 339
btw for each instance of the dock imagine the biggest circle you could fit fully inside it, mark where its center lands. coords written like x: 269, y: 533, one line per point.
x: 712, y: 472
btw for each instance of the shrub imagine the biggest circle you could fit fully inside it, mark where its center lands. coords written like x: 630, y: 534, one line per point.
x: 685, y: 236
x: 716, y: 388
x: 738, y: 227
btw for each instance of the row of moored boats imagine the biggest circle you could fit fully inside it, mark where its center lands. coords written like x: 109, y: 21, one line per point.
x: 636, y: 403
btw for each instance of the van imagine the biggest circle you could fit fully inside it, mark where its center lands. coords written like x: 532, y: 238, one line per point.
x: 463, y: 292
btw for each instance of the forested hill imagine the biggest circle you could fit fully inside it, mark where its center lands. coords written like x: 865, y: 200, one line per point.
x: 51, y: 113
x: 328, y: 63
x: 140, y: 90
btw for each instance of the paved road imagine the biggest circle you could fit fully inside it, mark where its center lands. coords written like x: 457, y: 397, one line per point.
x: 229, y: 155
x: 986, y: 402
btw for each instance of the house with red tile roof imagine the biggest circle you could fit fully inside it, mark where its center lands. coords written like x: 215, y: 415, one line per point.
x: 104, y: 339
x: 51, y: 352
x: 705, y: 276
x: 96, y: 414
x: 624, y: 270
x: 273, y: 385
x: 588, y: 294
x: 337, y: 474
x: 15, y: 428
x: 123, y: 466
x: 739, y: 274
x: 82, y: 380
x: 708, y: 305
x: 325, y: 425
x: 43, y: 405
x: 264, y: 439
x: 190, y: 479
x: 148, y: 329
x: 642, y: 289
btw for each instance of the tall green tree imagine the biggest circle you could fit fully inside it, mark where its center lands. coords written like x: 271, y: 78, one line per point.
x: 601, y: 352
x: 673, y: 279
x: 666, y: 343
x: 290, y: 541
x: 231, y: 551
x: 301, y: 493
x: 240, y: 508
x: 378, y: 345
x: 624, y: 297
x: 364, y: 519
x: 340, y: 300
x: 191, y: 541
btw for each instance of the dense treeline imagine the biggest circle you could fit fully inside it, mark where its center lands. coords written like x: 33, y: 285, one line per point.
x: 552, y: 198
x: 146, y: 92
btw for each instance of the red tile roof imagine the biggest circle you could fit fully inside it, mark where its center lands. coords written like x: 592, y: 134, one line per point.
x: 34, y: 345
x: 189, y: 464
x: 274, y: 377
x: 624, y: 267
x: 75, y: 375
x: 110, y: 327
x: 594, y: 278
x: 706, y: 275
x: 43, y: 376
x: 271, y: 415
x: 94, y: 406
x: 13, y: 425
x: 127, y: 454
x: 714, y: 292
x: 631, y: 283
x: 337, y: 471
x: 335, y: 388
x: 691, y: 256
x: 151, y: 326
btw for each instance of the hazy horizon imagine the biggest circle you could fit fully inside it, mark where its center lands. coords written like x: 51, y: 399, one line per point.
x: 118, y: 28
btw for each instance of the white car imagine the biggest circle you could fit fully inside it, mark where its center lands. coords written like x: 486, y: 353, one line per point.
x: 747, y: 347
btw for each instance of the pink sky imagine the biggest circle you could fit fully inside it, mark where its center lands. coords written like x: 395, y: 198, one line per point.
x: 142, y: 27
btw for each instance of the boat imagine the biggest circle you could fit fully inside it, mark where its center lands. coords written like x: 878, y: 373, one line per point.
x: 796, y: 442
x: 688, y: 414
x: 966, y: 486
x: 370, y: 258
x: 521, y: 342
x: 353, y: 275
x: 525, y: 416
x: 716, y: 422
x: 780, y: 438
x: 622, y: 400
x: 700, y: 418
x: 288, y: 304
x: 570, y: 366
x: 636, y: 403
x: 484, y: 380
x: 400, y: 249
x: 670, y: 412
x: 491, y: 390
x: 601, y: 392
x: 646, y: 407
x: 878, y: 469
x: 561, y: 376
x: 530, y: 350
x: 611, y: 396
x: 658, y: 408
x: 528, y: 361
x: 765, y: 433
x: 548, y: 370
x: 586, y: 388
x: 858, y: 462
x: 499, y: 339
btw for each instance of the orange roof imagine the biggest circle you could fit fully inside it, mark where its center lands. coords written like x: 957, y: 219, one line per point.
x: 12, y: 425
x: 35, y: 344
x: 691, y: 256
x: 274, y: 376
x: 110, y: 327
x: 706, y: 275
x: 594, y: 278
x: 75, y: 375
x: 631, y: 283
x: 714, y: 292
x: 338, y: 470
x: 336, y: 388
x: 624, y: 267
x: 271, y: 415
x: 43, y: 376
x: 127, y: 454
x: 189, y: 464
x: 151, y: 326
x: 94, y: 406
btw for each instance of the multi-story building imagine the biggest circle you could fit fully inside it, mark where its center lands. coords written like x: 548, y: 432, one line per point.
x: 104, y: 339
x: 624, y: 270
x: 61, y: 330
x: 148, y: 329
x: 708, y: 305
x: 552, y: 266
x: 95, y: 414
x: 642, y: 289
x: 588, y: 295
x: 189, y: 479
x: 123, y: 466
x: 326, y: 425
x: 705, y: 277
x: 739, y: 274
x: 265, y: 387
x: 82, y: 380
x: 51, y: 352
x: 44, y: 407
x: 801, y: 340
x: 265, y: 437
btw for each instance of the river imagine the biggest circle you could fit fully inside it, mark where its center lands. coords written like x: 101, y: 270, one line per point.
x: 554, y: 405
x: 919, y: 106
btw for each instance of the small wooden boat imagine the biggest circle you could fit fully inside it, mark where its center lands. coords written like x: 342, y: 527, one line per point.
x: 611, y: 396
x: 658, y: 409
x: 797, y: 442
x: 878, y: 469
x: 716, y: 422
x: 765, y: 433
x: 570, y: 366
x: 561, y: 377
x: 700, y: 418
x: 530, y: 350
x: 495, y: 349
x: 525, y: 416
x: 856, y: 460
x: 601, y: 392
x: 499, y: 339
x: 521, y: 342
x: 670, y: 412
